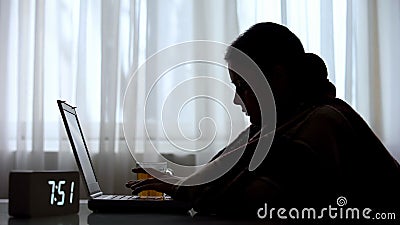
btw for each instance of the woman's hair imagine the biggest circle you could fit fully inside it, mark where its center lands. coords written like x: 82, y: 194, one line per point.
x: 269, y: 44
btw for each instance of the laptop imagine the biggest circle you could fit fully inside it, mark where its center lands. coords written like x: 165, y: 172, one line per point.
x: 98, y: 201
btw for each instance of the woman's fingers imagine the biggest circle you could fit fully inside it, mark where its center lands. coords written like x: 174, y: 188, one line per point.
x: 130, y: 183
x: 161, y: 182
x: 137, y: 189
x: 148, y: 184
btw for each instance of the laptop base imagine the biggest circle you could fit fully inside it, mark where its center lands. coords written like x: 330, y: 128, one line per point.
x: 138, y: 206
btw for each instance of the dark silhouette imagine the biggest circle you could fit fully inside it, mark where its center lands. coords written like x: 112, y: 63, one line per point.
x: 322, y: 148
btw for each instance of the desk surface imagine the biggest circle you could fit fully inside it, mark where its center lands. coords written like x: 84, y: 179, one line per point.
x: 85, y: 216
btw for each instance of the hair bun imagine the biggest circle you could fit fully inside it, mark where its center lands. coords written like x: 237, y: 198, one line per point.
x: 314, y: 66
x: 314, y: 78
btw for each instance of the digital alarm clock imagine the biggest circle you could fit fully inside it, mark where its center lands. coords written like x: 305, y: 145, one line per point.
x: 43, y: 193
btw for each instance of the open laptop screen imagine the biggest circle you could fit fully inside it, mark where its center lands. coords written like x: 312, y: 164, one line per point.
x: 79, y: 146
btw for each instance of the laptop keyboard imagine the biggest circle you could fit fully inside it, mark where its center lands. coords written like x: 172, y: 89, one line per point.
x: 132, y: 197
x: 118, y: 197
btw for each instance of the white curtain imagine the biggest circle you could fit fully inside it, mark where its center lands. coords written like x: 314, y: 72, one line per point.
x: 85, y: 51
x: 373, y: 86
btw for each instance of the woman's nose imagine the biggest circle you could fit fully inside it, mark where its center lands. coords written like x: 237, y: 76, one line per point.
x: 237, y: 100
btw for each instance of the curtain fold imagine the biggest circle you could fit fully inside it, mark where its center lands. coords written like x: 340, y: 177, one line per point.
x: 26, y: 43
x: 105, y: 164
x: 388, y: 55
x: 6, y: 161
x: 327, y: 37
x: 349, y: 63
x: 38, y: 89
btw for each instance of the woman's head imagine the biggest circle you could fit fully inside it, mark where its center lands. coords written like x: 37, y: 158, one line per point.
x: 294, y: 76
x: 268, y: 44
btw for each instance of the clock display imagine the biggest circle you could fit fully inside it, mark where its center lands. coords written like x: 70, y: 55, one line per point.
x: 43, y: 193
x: 58, y: 189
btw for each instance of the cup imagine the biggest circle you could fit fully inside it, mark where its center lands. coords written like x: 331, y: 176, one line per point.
x: 160, y: 166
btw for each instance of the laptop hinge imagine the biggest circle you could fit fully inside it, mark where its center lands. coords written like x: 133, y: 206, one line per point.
x: 95, y: 195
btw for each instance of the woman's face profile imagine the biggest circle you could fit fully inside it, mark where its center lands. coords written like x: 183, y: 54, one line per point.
x: 245, y: 98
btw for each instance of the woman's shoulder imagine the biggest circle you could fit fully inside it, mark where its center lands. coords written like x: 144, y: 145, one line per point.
x: 325, y: 117
x: 324, y: 126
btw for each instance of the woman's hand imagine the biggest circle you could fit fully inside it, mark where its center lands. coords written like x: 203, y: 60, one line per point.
x: 162, y: 182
